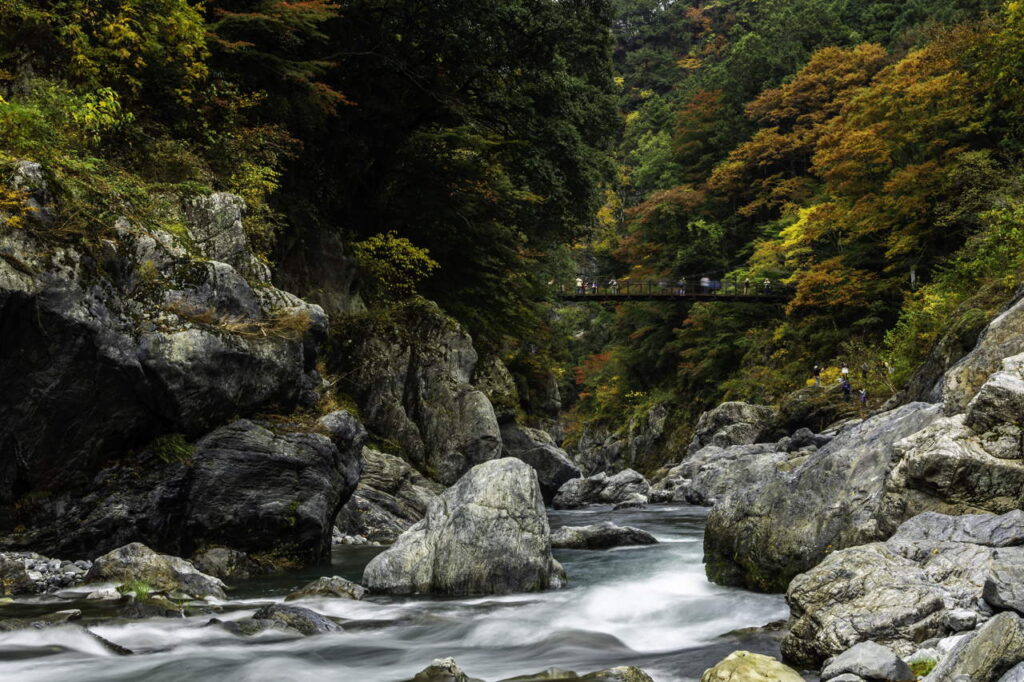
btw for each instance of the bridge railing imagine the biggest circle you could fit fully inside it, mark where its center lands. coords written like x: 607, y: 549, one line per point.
x: 694, y: 286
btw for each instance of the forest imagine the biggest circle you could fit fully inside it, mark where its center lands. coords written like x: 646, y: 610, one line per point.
x: 867, y: 153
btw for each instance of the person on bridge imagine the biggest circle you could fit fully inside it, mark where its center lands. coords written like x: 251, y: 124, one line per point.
x: 746, y: 286
x: 766, y: 285
x: 613, y: 286
x: 579, y: 286
x: 681, y: 287
x: 593, y: 287
x: 705, y: 285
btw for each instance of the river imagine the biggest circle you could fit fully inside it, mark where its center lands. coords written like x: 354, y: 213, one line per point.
x: 646, y: 606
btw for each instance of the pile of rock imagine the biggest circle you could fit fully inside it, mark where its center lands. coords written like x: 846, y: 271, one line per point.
x: 28, y: 572
x: 625, y: 489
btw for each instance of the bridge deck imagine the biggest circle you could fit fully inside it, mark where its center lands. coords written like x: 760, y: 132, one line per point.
x: 716, y: 298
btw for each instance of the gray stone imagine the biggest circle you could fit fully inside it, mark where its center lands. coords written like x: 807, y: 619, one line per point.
x: 871, y: 661
x: 225, y: 563
x: 603, y: 489
x: 487, y: 534
x: 640, y: 443
x: 961, y: 620
x: 733, y: 423
x: 987, y: 654
x: 600, y: 536
x: 1015, y: 674
x: 493, y: 378
x: 847, y: 677
x: 390, y: 498
x: 1003, y: 338
x: 1004, y: 586
x: 304, y: 620
x: 579, y: 492
x: 778, y: 523
x: 712, y: 472
x: 138, y: 563
x: 537, y: 448
x: 441, y: 670
x: 334, y: 586
x: 744, y: 666
x: 631, y: 501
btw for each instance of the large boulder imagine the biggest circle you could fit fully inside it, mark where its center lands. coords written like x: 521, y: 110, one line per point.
x: 627, y: 486
x: 600, y: 536
x: 171, y: 338
x: 778, y: 523
x: 925, y: 581
x: 487, y: 534
x: 733, y: 423
x: 537, y: 448
x: 390, y: 498
x: 870, y: 661
x: 334, y: 587
x: 244, y: 487
x: 297, y: 618
x: 712, y: 472
x: 1003, y: 338
x: 744, y: 666
x: 984, y: 655
x: 136, y: 563
x: 410, y: 373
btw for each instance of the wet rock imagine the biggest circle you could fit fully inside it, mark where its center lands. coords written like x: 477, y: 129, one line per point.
x: 631, y: 501
x: 390, y: 498
x: 924, y: 582
x: 537, y: 448
x: 600, y: 536
x: 870, y: 661
x: 487, y: 534
x: 743, y: 666
x: 986, y: 654
x: 770, y: 528
x: 226, y: 564
x: 334, y: 586
x: 411, y: 376
x: 136, y: 563
x: 733, y: 423
x: 37, y: 622
x: 303, y: 620
x: 441, y: 670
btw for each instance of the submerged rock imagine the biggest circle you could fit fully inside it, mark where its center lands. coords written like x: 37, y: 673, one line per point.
x: 391, y: 497
x: 487, y: 534
x: 743, y: 666
x: 136, y: 563
x: 334, y: 586
x: 303, y: 620
x: 44, y: 621
x: 441, y: 670
x: 600, y: 536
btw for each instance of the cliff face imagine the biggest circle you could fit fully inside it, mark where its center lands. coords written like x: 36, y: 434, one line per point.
x: 140, y: 340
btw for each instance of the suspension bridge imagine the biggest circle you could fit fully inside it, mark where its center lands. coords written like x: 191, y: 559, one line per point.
x: 690, y: 289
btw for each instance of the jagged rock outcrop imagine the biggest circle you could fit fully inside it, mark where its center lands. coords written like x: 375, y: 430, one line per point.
x: 600, y: 536
x: 493, y: 378
x: 769, y: 529
x: 713, y: 471
x: 638, y: 444
x: 744, y: 666
x: 733, y: 423
x: 625, y: 486
x: 927, y: 580
x: 136, y: 563
x: 487, y: 534
x: 243, y: 486
x: 537, y: 448
x: 986, y: 654
x: 411, y: 373
x: 104, y: 348
x: 390, y: 498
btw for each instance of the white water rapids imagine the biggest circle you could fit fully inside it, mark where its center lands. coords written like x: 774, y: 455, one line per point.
x: 646, y: 606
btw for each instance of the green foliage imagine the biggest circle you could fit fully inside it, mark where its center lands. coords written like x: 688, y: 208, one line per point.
x: 142, y: 590
x: 172, y: 448
x: 393, y: 266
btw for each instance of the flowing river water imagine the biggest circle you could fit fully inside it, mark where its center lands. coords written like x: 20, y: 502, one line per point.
x: 646, y: 606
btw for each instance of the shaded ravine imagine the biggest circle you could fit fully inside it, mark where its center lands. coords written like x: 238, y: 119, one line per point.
x: 645, y: 606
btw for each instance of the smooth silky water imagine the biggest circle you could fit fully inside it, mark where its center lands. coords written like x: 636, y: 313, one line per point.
x: 646, y: 606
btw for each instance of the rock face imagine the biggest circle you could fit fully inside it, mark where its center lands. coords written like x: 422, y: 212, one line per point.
x: 712, y: 472
x: 226, y: 564
x: 410, y: 375
x: 538, y: 449
x: 243, y: 487
x: 733, y: 423
x: 487, y: 534
x: 164, y: 327
x: 391, y: 497
x: 138, y: 563
x: 602, y: 489
x: 985, y: 654
x: 743, y: 666
x: 772, y: 527
x: 925, y: 581
x: 600, y: 536
x: 637, y: 444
